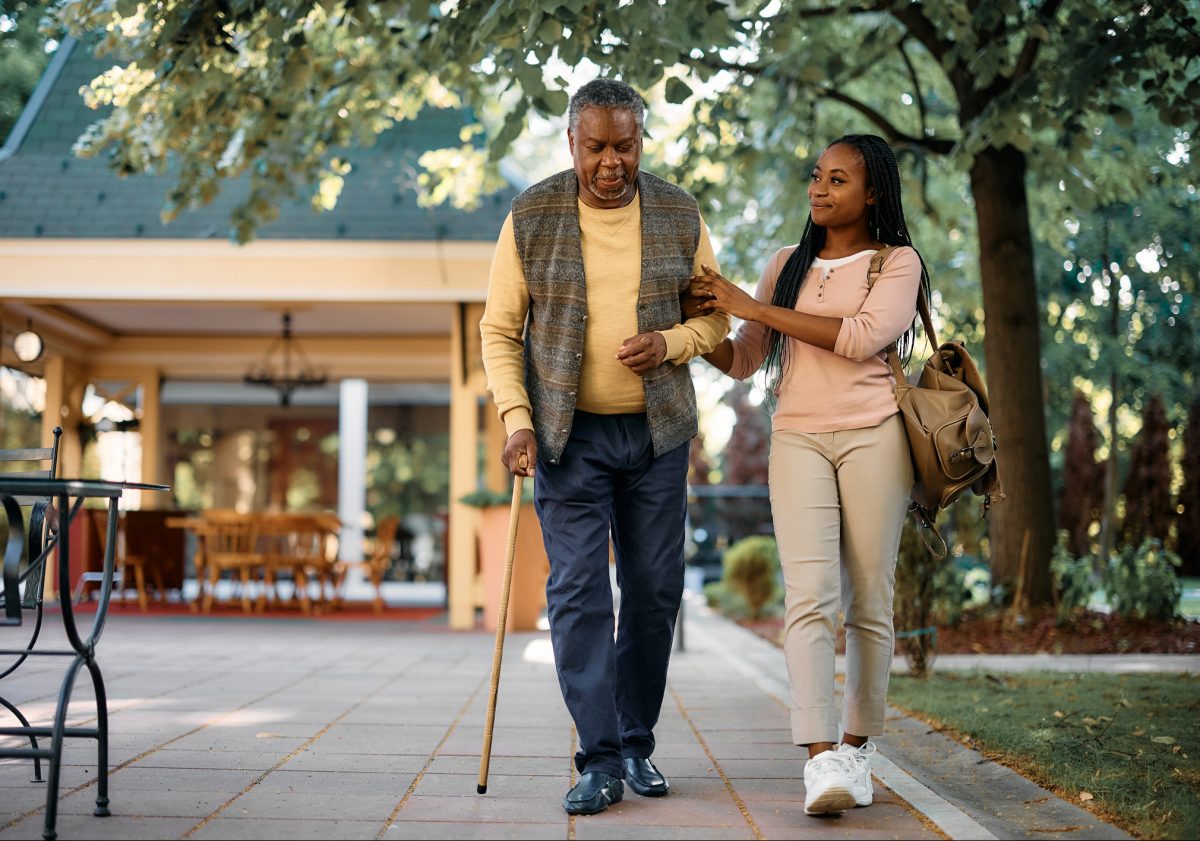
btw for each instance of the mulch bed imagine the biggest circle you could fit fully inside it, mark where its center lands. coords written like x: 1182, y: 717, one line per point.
x: 998, y: 633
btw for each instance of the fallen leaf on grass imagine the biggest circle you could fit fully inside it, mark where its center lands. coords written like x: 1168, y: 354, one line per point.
x: 1163, y: 740
x: 1139, y: 732
x: 1059, y: 714
x: 1085, y: 796
x: 1087, y: 719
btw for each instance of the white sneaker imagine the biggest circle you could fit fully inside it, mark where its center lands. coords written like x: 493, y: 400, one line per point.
x: 863, y: 788
x: 829, y: 783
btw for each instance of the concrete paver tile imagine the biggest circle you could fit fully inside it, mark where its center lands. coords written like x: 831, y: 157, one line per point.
x: 239, y: 741
x: 501, y: 831
x: 153, y: 803
x: 599, y: 829
x: 264, y: 803
x: 136, y: 777
x: 317, y: 758
x: 674, y: 810
x: 331, y: 782
x: 204, y: 758
x: 732, y: 751
x: 763, y: 768
x: 248, y: 828
x: 556, y: 767
x: 499, y: 785
x: 117, y: 827
x: 472, y: 808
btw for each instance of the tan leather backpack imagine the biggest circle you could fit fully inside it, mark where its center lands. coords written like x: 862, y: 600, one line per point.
x: 945, y: 411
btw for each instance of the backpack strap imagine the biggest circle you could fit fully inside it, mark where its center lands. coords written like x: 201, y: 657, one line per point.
x: 876, y: 268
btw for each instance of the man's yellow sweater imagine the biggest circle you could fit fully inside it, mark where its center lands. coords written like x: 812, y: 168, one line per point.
x: 612, y: 261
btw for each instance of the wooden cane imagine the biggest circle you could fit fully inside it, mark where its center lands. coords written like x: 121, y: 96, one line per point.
x: 502, y: 620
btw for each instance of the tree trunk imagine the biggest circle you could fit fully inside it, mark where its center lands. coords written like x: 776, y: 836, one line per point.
x: 1021, y: 532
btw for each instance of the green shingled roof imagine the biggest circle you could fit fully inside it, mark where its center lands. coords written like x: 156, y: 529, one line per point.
x: 45, y: 191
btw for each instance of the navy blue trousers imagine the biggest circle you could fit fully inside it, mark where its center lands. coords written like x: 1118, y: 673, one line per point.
x: 608, y: 479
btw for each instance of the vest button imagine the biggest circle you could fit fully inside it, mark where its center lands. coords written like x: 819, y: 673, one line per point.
x: 584, y: 318
x: 570, y: 394
x: 562, y: 430
x: 579, y: 356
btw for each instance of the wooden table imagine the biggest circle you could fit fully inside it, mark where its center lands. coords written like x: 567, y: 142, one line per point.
x: 283, y: 541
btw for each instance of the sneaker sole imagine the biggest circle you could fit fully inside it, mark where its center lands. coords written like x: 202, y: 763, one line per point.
x: 834, y: 799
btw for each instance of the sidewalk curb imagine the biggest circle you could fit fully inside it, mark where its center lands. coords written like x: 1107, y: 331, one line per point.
x: 948, y: 818
x: 983, y: 800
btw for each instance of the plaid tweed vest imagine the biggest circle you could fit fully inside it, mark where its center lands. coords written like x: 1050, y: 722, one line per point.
x: 546, y: 228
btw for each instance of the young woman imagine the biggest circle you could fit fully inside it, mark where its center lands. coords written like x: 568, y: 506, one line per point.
x: 840, y: 469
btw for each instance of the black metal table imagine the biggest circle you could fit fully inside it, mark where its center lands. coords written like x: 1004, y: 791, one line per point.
x: 68, y: 496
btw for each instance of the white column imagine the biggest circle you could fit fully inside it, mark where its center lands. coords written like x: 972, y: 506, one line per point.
x: 352, y: 467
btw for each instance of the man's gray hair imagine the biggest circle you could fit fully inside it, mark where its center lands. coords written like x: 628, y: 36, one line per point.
x: 606, y: 93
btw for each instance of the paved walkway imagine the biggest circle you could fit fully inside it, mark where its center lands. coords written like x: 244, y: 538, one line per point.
x: 231, y: 728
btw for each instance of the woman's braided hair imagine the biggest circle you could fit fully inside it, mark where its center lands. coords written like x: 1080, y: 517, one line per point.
x: 886, y: 225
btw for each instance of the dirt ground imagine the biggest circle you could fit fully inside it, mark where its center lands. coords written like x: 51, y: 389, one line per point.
x: 1002, y: 633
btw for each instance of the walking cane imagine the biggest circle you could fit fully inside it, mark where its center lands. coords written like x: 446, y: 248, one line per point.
x: 502, y: 620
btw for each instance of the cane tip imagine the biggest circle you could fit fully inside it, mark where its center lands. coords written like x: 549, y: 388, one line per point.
x: 480, y: 789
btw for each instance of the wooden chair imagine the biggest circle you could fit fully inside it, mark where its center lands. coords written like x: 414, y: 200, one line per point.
x: 138, y: 563
x: 377, y: 565
x: 295, y: 545
x: 230, y: 543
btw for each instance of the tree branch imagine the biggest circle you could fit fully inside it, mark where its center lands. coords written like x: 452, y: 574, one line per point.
x: 937, y: 145
x: 922, y: 28
x: 819, y: 12
x: 1032, y: 45
x: 912, y: 74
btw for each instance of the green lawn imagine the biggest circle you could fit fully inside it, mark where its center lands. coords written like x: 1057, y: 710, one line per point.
x: 1131, y: 742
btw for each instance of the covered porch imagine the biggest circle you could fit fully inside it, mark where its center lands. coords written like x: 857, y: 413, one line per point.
x: 147, y: 345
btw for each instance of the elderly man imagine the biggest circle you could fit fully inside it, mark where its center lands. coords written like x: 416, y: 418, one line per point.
x: 586, y: 358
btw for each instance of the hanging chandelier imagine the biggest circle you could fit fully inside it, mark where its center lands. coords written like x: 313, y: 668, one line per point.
x: 285, y: 382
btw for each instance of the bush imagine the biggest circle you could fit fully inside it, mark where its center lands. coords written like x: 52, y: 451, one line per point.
x: 751, y: 571
x: 1074, y: 579
x: 1142, y: 582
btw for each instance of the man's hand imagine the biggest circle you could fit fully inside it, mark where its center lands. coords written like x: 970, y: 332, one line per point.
x: 643, y: 353
x: 690, y: 302
x: 520, y: 443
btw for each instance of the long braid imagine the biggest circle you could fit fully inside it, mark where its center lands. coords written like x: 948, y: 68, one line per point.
x: 885, y: 223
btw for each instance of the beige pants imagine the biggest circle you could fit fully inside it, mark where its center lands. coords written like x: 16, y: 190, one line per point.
x: 838, y: 500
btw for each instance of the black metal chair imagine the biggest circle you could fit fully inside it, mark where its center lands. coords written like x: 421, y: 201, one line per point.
x: 29, y: 576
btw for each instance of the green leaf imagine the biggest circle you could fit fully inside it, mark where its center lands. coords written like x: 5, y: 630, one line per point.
x: 677, y: 91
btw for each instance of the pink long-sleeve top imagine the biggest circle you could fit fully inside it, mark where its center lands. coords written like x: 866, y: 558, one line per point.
x: 850, y: 387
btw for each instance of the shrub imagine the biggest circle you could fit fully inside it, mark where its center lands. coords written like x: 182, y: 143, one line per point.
x: 1142, y: 582
x: 751, y: 570
x: 1074, y: 579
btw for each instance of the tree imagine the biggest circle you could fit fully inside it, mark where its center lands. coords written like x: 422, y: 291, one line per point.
x: 1083, y: 479
x: 23, y: 56
x: 1007, y: 91
x: 1148, y: 508
x: 1188, y: 532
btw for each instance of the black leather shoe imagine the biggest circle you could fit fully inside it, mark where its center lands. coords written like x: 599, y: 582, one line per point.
x: 644, y: 778
x: 595, y: 792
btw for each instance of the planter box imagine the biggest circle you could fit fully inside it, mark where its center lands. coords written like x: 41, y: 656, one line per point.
x: 527, y: 595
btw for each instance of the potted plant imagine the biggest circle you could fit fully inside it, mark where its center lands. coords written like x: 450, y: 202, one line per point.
x: 527, y: 594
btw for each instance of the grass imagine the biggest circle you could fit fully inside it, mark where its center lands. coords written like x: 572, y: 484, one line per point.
x: 1126, y: 746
